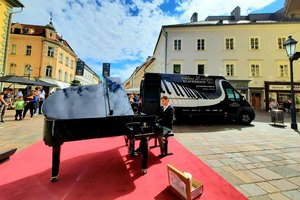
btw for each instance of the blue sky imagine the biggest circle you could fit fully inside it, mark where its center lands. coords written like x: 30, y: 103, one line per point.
x: 124, y: 32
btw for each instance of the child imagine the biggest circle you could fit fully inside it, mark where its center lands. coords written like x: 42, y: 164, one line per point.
x: 19, y: 106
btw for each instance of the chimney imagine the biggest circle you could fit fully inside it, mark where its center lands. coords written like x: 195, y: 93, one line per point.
x: 236, y: 13
x: 194, y: 17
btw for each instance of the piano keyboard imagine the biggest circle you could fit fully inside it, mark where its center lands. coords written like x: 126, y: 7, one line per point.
x: 182, y: 96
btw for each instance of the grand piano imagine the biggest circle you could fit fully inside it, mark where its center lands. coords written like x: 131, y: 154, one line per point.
x: 95, y: 111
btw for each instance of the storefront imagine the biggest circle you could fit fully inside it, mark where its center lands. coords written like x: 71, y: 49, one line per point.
x: 281, y: 92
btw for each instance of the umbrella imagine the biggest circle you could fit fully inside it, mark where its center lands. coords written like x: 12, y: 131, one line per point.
x: 16, y: 79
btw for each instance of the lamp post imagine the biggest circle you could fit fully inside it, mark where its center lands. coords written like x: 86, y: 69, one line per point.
x: 290, y: 47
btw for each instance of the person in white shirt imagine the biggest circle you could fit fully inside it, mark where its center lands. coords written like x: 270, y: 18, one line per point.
x: 42, y: 96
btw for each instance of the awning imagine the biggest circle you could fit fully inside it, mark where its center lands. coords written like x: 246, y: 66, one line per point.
x: 16, y: 79
x: 57, y: 83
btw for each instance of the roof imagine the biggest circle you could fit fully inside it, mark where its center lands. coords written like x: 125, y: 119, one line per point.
x: 15, y: 3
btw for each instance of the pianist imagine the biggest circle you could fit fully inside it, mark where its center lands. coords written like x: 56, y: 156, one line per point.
x: 166, y: 114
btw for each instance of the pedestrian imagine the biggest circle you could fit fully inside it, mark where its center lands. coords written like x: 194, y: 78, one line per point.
x: 36, y: 104
x: 273, y: 105
x: 5, y: 102
x: 42, y: 96
x: 19, y: 107
x: 30, y: 101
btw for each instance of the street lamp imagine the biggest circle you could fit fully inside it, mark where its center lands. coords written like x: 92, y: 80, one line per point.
x: 290, y: 47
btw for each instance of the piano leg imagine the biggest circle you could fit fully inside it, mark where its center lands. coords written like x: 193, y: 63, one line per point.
x: 55, y: 163
x: 131, y: 147
x: 144, y: 152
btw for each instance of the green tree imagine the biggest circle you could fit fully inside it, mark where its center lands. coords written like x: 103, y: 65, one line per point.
x: 75, y: 82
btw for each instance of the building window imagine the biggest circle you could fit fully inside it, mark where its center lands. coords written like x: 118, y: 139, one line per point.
x: 61, y: 58
x: 66, y: 77
x: 71, y: 64
x: 283, y: 71
x: 12, y: 69
x: 49, y: 71
x: 229, y: 43
x: 254, y: 43
x: 229, y: 70
x: 201, y: 44
x: 59, y: 74
x: 176, y: 68
x: 51, y: 52
x: 27, y: 70
x: 201, y: 69
x: 67, y: 61
x: 177, y: 45
x: 28, y: 50
x: 13, y: 49
x: 280, y: 42
x: 255, y: 70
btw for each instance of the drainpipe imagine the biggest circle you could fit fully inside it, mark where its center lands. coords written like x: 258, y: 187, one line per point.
x: 6, y: 43
x: 166, y: 47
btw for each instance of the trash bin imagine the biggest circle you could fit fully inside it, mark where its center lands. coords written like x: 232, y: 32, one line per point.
x: 277, y: 117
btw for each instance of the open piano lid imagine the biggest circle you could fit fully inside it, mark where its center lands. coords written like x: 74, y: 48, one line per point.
x: 93, y: 101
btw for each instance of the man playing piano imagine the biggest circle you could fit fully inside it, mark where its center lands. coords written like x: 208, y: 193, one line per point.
x: 164, y: 124
x: 166, y: 114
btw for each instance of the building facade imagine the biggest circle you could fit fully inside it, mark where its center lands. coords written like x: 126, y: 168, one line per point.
x: 39, y: 53
x: 85, y: 74
x: 6, y: 11
x: 247, y: 50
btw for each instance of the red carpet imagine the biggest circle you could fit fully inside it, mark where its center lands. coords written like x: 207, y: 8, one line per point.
x: 102, y: 169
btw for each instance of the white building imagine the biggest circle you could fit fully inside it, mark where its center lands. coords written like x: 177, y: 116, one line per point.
x: 246, y: 50
x: 86, y: 75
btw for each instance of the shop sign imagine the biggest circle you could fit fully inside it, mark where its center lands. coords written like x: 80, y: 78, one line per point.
x: 284, y: 87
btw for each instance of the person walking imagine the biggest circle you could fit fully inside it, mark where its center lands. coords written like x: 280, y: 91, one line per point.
x: 5, y: 102
x: 30, y: 100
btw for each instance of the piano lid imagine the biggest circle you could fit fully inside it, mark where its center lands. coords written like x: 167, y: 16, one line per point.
x: 93, y: 101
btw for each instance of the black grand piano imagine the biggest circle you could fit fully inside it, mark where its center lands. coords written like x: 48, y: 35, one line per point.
x: 95, y: 111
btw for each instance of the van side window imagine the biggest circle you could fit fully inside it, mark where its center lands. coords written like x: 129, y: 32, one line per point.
x: 230, y: 94
x: 237, y: 96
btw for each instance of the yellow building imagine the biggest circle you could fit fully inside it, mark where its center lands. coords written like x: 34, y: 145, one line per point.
x: 6, y: 11
x: 39, y: 53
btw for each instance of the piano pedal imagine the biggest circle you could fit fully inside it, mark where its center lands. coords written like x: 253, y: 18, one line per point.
x: 164, y: 155
x: 144, y: 171
x: 54, y: 179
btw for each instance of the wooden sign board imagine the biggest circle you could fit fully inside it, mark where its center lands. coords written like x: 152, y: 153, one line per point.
x: 181, y: 183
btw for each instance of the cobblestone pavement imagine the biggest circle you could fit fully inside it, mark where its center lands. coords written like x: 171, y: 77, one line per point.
x: 262, y: 161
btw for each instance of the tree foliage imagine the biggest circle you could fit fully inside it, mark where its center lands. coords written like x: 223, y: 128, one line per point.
x: 75, y: 82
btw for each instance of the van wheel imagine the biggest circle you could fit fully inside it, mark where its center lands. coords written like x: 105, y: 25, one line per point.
x: 245, y: 118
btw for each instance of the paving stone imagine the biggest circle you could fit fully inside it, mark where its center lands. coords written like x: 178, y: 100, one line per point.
x: 278, y: 196
x: 263, y: 158
x: 273, y: 157
x: 229, y: 161
x: 268, y: 187
x: 285, y: 171
x: 266, y: 174
x: 264, y: 197
x: 253, y: 190
x: 247, y: 176
x: 242, y: 160
x: 293, y: 194
x: 232, y: 179
x: 295, y: 180
x: 214, y: 163
x: 284, y: 184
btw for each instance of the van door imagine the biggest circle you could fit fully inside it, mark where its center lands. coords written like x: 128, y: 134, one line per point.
x: 233, y: 100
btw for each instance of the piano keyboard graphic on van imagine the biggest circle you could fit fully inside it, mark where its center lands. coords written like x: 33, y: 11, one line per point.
x: 182, y: 96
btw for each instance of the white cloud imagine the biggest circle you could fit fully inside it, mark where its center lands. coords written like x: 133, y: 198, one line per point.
x: 115, y: 31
